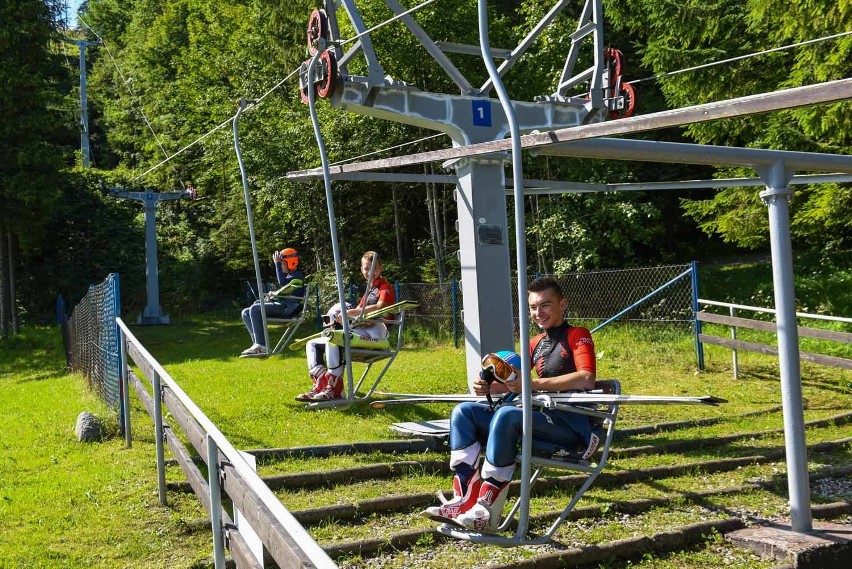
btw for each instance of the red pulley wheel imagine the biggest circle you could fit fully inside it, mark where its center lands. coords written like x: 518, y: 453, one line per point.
x: 317, y: 28
x: 629, y: 94
x: 329, y: 63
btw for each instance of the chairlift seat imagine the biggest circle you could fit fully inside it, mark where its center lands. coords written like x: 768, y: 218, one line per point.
x: 370, y: 356
x: 603, y: 419
x: 292, y: 323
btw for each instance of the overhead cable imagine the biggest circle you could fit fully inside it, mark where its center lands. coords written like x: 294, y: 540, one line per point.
x: 739, y: 57
x: 353, y: 158
x: 224, y: 123
x: 388, y: 21
x: 259, y: 99
x: 129, y: 88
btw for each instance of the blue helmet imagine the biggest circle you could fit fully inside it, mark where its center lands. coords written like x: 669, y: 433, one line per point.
x: 510, y: 357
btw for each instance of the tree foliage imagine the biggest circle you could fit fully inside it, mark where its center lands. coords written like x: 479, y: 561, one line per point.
x: 169, y: 73
x: 33, y: 135
x: 674, y: 36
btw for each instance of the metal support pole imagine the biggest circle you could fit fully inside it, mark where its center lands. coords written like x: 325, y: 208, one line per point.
x: 152, y: 270
x: 699, y: 347
x: 260, y: 290
x: 215, y: 503
x: 125, y: 390
x: 776, y: 196
x: 158, y: 437
x: 521, y: 261
x: 84, y: 106
x: 332, y: 220
x: 319, y: 311
x: 152, y: 314
x: 454, y: 289
x: 733, y: 312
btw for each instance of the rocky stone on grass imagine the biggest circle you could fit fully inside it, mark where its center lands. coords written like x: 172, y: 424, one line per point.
x: 89, y: 428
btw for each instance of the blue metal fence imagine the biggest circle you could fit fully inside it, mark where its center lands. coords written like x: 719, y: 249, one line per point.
x: 94, y: 340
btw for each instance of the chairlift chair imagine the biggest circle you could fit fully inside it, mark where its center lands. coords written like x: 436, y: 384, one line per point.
x: 603, y: 421
x: 370, y: 356
x: 292, y: 323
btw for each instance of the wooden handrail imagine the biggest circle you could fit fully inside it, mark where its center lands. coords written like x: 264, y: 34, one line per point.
x: 833, y: 335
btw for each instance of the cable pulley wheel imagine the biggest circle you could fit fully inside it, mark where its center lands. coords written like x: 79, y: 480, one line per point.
x: 317, y: 28
x: 629, y: 95
x: 325, y: 88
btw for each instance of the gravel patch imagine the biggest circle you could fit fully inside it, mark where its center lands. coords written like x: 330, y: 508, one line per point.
x: 833, y: 488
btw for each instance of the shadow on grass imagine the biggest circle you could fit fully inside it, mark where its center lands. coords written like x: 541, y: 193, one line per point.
x: 42, y: 376
x: 201, y: 339
x: 33, y: 355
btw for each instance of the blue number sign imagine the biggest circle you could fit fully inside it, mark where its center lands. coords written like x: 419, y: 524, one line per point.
x: 481, y: 113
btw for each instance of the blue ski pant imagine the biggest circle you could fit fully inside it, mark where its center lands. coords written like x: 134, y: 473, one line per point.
x: 474, y: 426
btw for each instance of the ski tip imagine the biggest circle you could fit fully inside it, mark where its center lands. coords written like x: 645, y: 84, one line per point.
x: 711, y: 400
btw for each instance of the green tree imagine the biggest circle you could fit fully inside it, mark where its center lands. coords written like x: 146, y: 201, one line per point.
x: 33, y: 135
x: 683, y: 34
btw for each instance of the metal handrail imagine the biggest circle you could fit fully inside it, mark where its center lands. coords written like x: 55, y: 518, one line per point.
x: 294, y: 529
x: 773, y: 311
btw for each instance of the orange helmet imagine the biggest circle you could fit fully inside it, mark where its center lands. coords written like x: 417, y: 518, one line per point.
x: 290, y: 256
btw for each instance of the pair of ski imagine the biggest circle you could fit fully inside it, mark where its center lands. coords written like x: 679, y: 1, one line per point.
x: 552, y: 400
x: 336, y: 336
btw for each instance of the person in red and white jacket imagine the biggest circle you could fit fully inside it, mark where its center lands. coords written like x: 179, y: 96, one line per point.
x: 325, y: 361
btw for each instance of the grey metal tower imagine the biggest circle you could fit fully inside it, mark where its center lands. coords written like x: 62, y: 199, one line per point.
x: 469, y: 117
x: 84, y: 105
x: 152, y: 314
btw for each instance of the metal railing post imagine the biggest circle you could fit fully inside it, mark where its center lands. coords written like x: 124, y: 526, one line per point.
x: 158, y: 437
x: 215, y: 503
x: 699, y: 347
x: 124, y: 381
x: 733, y: 312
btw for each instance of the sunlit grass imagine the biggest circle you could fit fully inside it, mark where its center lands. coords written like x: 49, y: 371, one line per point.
x: 67, y: 504
x: 64, y: 504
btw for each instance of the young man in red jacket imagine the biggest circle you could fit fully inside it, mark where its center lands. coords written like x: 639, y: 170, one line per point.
x: 564, y: 359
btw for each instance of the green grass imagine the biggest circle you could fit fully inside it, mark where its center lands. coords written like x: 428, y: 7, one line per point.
x: 65, y: 504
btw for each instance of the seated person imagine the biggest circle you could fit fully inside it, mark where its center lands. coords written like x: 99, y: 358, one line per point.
x: 564, y: 359
x: 292, y: 283
x: 325, y: 361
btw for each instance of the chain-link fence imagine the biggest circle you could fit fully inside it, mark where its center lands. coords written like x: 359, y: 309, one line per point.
x: 94, y: 341
x: 662, y: 294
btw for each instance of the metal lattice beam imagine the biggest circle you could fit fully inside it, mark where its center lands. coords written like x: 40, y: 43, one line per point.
x: 830, y: 92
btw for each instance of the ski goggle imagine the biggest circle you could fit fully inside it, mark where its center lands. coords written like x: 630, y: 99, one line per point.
x: 502, y: 371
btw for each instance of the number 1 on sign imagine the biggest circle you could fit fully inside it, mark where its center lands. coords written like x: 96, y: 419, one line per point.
x: 481, y: 113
